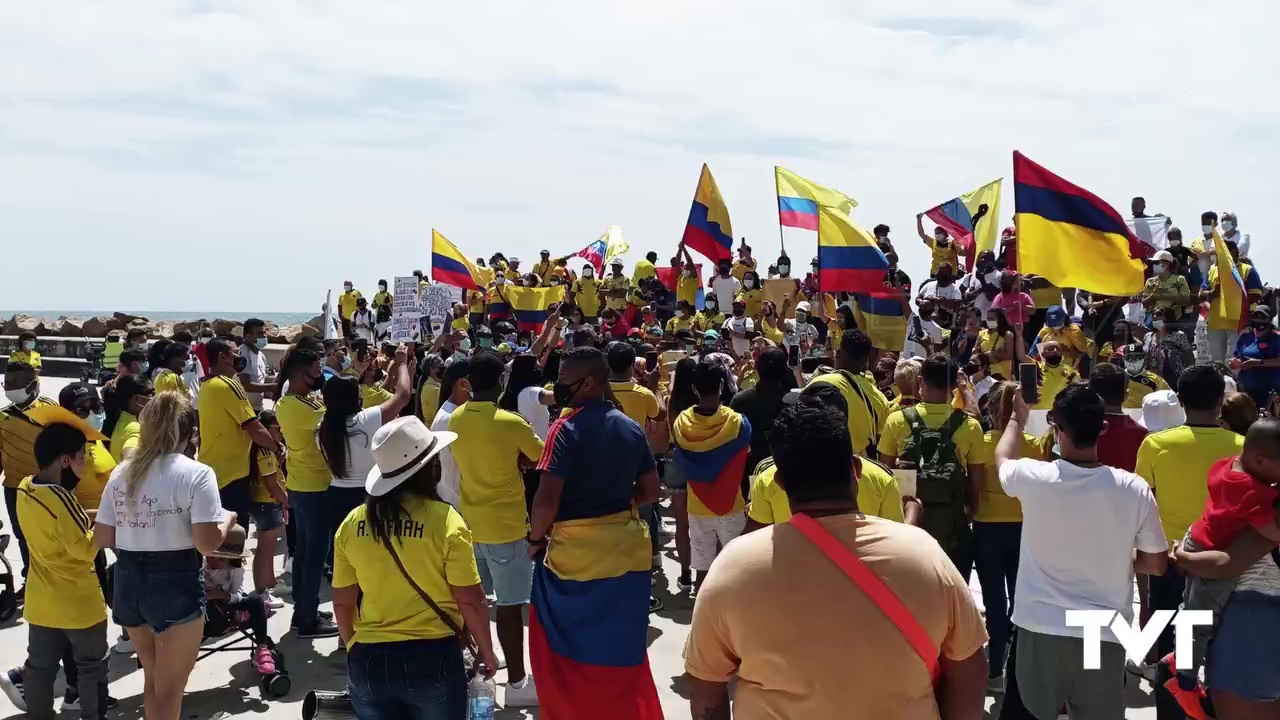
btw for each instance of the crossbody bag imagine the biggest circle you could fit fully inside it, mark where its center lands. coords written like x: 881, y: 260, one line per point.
x: 464, y: 638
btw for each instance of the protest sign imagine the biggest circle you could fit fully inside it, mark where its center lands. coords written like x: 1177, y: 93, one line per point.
x: 406, y: 328
x: 437, y: 304
x: 406, y: 311
x: 776, y: 290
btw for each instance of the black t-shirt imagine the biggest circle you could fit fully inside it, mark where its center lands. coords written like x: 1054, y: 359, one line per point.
x: 760, y: 405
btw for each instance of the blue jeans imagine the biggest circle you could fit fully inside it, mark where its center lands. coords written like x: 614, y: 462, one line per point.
x: 408, y: 680
x: 311, y: 509
x: 995, y: 553
x: 1165, y: 593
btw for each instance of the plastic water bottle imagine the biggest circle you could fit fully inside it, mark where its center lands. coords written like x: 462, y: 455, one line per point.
x: 482, y: 695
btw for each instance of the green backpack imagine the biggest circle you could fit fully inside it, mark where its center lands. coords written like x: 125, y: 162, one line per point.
x: 942, y: 481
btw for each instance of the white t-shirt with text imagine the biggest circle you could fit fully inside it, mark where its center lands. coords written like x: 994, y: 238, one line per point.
x: 176, y: 493
x: 360, y: 430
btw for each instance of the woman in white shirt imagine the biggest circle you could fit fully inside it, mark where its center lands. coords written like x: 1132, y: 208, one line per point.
x: 345, y: 433
x: 160, y: 512
x: 455, y: 390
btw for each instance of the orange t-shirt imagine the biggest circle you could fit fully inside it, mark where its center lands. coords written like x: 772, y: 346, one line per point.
x: 835, y: 646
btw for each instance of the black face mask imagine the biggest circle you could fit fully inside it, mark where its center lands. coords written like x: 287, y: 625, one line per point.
x: 316, y: 382
x: 69, y: 479
x: 564, y: 392
x: 1053, y: 360
x: 239, y: 364
x: 739, y: 312
x: 1261, y: 329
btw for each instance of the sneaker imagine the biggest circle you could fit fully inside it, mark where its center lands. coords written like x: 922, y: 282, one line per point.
x: 272, y: 601
x: 123, y: 646
x: 319, y: 629
x: 995, y: 685
x: 522, y: 694
x: 655, y: 604
x: 685, y: 583
x: 324, y: 615
x: 264, y: 661
x: 11, y: 684
x: 71, y: 701
x: 288, y: 565
x: 1186, y: 689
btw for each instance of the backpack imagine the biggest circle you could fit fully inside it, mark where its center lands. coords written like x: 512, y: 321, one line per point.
x: 942, y: 481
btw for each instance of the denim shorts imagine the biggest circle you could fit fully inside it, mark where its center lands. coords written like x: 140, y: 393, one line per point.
x: 158, y: 589
x: 1243, y: 658
x: 506, y: 571
x: 266, y: 516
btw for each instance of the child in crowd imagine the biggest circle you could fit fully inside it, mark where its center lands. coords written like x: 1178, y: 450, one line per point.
x: 229, y: 606
x: 269, y: 515
x: 1242, y: 494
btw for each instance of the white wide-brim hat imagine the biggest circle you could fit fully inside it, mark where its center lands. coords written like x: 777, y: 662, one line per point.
x: 1161, y: 411
x: 400, y: 449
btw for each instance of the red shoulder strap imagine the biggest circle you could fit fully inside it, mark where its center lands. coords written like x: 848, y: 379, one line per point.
x: 879, y: 593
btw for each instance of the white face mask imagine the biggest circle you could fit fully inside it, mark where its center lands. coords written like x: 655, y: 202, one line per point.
x: 189, y: 366
x: 748, y: 283
x: 18, y: 397
x: 784, y: 269
x: 1134, y: 367
x: 1157, y: 324
x: 1207, y: 229
x: 587, y: 273
x: 500, y: 280
x: 205, y: 340
x: 1157, y: 268
x: 679, y: 313
x: 710, y: 305
x: 993, y: 324
x: 1175, y: 242
x: 464, y: 344
x: 1228, y: 226
x: 96, y: 420
x: 347, y: 288
x: 29, y: 345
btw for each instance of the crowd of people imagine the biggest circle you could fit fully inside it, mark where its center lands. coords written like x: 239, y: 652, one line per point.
x: 832, y: 493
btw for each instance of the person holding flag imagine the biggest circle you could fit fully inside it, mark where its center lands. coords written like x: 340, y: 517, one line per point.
x: 1228, y: 303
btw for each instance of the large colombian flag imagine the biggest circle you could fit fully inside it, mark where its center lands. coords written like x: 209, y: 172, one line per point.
x: 1232, y: 309
x: 1070, y: 237
x: 884, y: 320
x: 711, y: 453
x: 972, y: 219
x: 531, y: 305
x: 708, y: 230
x: 798, y: 200
x: 450, y: 267
x: 848, y: 258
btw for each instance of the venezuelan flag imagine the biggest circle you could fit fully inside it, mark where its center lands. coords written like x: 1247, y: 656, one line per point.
x: 711, y: 453
x: 848, y: 258
x: 798, y: 200
x: 589, y: 621
x: 884, y: 320
x: 708, y: 230
x: 1232, y: 308
x: 973, y: 226
x: 1070, y: 237
x: 450, y: 267
x: 531, y: 305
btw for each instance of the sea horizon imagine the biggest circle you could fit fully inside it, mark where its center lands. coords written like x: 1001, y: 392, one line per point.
x: 279, y: 318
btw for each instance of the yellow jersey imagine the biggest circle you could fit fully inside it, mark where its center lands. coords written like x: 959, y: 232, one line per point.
x: 475, y: 302
x: 267, y: 472
x: 687, y: 289
x: 224, y: 444
x: 1053, y: 381
x: 373, y: 395
x: 30, y: 357
x: 740, y: 268
x: 299, y: 416
x: 489, y: 445
x: 98, y: 465
x: 382, y: 298
x: 62, y: 587
x: 347, y: 303
x: 943, y: 254
x: 994, y: 504
x: 1071, y: 338
x: 967, y: 438
x: 868, y: 407
x: 643, y: 271
x: 461, y: 323
x: 1139, y: 387
x: 679, y: 323
x: 429, y: 400
x: 125, y: 435
x: 616, y: 283
x: 586, y: 295
x: 753, y: 298
x: 705, y: 321
x: 638, y: 402
x: 1175, y: 463
x: 435, y: 545
x: 17, y: 442
x: 878, y: 493
x: 989, y: 341
x: 542, y: 269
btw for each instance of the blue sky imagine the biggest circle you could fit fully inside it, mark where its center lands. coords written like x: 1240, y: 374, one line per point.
x: 247, y: 156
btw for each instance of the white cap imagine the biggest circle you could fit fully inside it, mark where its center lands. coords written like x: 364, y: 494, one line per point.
x: 1162, y: 256
x: 802, y: 306
x: 400, y: 449
x: 1161, y: 411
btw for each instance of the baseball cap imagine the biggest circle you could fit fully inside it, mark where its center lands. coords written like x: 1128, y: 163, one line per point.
x: 544, y: 252
x: 616, y: 262
x: 76, y: 393
x: 711, y: 335
x: 802, y: 306
x: 1056, y: 315
x: 505, y: 348
x: 513, y: 259
x: 1162, y: 256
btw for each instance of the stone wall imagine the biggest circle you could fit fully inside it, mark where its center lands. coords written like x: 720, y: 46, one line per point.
x: 99, y: 327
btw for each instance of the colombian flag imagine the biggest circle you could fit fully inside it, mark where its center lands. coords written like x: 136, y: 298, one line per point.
x: 530, y: 304
x: 798, y: 200
x: 589, y: 620
x: 1232, y: 308
x: 450, y: 267
x: 708, y: 230
x: 711, y: 453
x: 972, y: 219
x: 1070, y: 237
x: 884, y: 320
x: 848, y: 258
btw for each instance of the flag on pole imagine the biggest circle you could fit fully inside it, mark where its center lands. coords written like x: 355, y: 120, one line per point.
x: 708, y: 230
x: 798, y: 200
x: 1232, y: 308
x: 531, y: 305
x: 594, y: 254
x: 450, y: 267
x: 974, y: 227
x: 614, y: 244
x: 848, y: 258
x: 1071, y: 237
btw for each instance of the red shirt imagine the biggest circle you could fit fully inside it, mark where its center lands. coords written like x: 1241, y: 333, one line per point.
x: 1119, y: 442
x: 202, y: 354
x: 1236, y: 501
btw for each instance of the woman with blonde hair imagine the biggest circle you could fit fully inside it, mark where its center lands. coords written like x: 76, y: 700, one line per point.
x: 905, y: 375
x: 997, y: 534
x: 160, y: 512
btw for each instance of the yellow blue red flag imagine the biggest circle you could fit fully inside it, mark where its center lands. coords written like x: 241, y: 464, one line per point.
x: 708, y: 230
x: 848, y: 258
x: 1070, y: 237
x: 711, y: 453
x: 973, y: 226
x: 450, y: 267
x: 531, y: 305
x: 799, y: 199
x: 1232, y: 308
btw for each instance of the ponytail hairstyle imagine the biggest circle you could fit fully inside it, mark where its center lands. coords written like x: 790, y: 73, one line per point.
x: 388, y: 511
x: 117, y: 401
x: 342, y: 400
x: 1000, y: 401
x: 295, y: 359
x: 156, y: 355
x: 457, y: 370
x: 168, y: 426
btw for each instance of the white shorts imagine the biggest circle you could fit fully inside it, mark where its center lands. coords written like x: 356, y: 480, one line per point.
x: 708, y: 534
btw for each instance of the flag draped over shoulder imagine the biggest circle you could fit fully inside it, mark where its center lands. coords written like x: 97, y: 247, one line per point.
x: 711, y: 453
x: 450, y: 267
x: 1070, y: 237
x: 530, y: 304
x: 972, y: 226
x: 1232, y: 309
x: 799, y: 199
x: 884, y: 320
x: 848, y: 258
x: 589, y: 620
x: 708, y: 230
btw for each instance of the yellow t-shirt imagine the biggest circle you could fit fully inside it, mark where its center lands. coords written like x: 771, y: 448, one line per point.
x: 586, y: 295
x: 638, y: 402
x: 705, y: 321
x: 1046, y: 297
x: 687, y: 290
x: 224, y: 444
x: 462, y: 323
x: 98, y: 465
x: 866, y: 416
x: 967, y: 438
x: 1071, y: 338
x: 17, y: 442
x: 169, y: 381
x: 682, y: 323
x: 1135, y: 390
x: 62, y: 588
x: 1055, y: 379
x: 30, y: 357
x: 268, y: 467
x: 435, y: 546
x: 373, y: 395
x: 942, y: 254
x: 475, y: 301
x: 125, y: 436
x: 489, y: 445
x: 771, y: 332
x: 643, y: 270
x: 989, y: 341
x: 995, y: 505
x: 616, y: 283
x: 1175, y: 463
x: 381, y: 298
x: 542, y: 269
x: 740, y: 268
x: 878, y: 493
x: 347, y: 303
x: 429, y: 400
x: 299, y: 416
x: 735, y: 631
x: 753, y: 298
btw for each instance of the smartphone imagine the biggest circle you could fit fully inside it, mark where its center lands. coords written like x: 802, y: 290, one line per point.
x: 650, y: 361
x: 1029, y: 377
x: 793, y: 355
x: 361, y: 347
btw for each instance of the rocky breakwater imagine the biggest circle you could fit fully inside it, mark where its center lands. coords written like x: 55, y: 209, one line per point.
x: 100, y: 326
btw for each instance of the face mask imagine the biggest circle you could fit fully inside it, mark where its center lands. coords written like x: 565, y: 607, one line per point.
x: 1158, y: 268
x: 748, y: 283
x: 1053, y: 360
x: 189, y: 366
x: 382, y: 288
x: 509, y: 339
x: 1157, y: 324
x: 239, y: 364
x: 485, y: 342
x: 144, y: 367
x: 554, y: 282
x: 710, y: 305
x: 347, y: 288
x: 814, y: 269
x: 564, y: 392
x: 993, y: 324
x: 941, y: 240
x: 500, y: 280
x: 346, y: 362
x: 784, y: 269
x: 739, y: 312
x: 1175, y: 242
x: 1134, y: 367
x: 1228, y: 226
x: 802, y: 318
x: 587, y: 273
x: 260, y: 343
x: 679, y: 313
x: 315, y: 382
x: 29, y: 345
x: 21, y: 396
x: 464, y: 344
x: 205, y: 340
x: 1207, y: 230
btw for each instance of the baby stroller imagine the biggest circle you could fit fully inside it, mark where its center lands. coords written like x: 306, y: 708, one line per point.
x: 8, y: 593
x: 222, y: 622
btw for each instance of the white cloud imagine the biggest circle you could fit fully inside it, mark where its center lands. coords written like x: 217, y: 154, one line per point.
x: 225, y: 155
